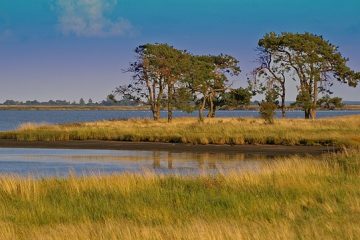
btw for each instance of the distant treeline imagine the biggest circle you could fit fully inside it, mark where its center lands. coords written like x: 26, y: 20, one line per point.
x: 81, y: 102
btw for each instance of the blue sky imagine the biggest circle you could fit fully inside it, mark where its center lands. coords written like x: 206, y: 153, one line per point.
x: 67, y: 49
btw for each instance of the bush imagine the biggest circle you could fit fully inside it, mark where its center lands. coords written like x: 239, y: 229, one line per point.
x: 267, y: 111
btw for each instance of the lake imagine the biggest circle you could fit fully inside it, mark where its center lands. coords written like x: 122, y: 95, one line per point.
x: 62, y: 162
x: 12, y: 119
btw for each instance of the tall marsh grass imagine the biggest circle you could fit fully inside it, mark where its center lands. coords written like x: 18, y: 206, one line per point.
x: 340, y: 131
x: 297, y: 198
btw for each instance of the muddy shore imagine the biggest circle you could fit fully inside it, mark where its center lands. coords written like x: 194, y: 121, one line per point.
x: 170, y: 147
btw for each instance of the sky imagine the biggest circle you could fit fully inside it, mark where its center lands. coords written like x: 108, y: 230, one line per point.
x: 72, y: 49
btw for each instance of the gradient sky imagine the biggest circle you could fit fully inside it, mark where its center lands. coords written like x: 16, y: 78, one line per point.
x: 67, y: 49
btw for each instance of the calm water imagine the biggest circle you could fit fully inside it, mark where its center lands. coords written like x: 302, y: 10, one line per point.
x: 60, y: 163
x: 12, y: 119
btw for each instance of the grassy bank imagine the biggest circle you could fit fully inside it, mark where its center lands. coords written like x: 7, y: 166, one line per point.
x: 297, y: 198
x: 341, y: 131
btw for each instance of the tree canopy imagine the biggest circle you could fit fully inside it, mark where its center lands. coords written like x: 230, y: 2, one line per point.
x: 166, y: 78
x: 312, y: 61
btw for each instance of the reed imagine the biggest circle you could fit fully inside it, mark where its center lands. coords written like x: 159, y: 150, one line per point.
x: 294, y: 198
x: 340, y: 131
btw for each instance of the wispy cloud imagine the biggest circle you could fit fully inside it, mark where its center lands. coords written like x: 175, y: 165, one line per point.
x: 89, y: 18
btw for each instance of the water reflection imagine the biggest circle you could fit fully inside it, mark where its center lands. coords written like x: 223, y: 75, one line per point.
x: 55, y: 162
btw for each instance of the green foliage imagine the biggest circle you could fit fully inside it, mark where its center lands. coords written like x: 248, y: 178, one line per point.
x: 207, y: 78
x: 328, y: 102
x: 313, y: 61
x: 267, y: 111
x: 184, y: 99
x: 269, y: 105
x: 156, y: 73
x: 303, y: 100
x: 82, y: 101
x: 237, y: 97
x: 164, y: 75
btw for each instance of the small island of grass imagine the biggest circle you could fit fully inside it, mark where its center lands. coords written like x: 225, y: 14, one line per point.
x: 333, y: 132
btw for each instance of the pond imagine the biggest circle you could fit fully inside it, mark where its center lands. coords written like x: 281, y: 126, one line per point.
x: 62, y: 162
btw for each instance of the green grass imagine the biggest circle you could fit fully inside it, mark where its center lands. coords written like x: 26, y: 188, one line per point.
x: 341, y: 131
x: 296, y: 198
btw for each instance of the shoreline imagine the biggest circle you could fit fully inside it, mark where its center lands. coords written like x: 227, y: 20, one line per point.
x: 136, y: 108
x: 171, y: 147
x: 71, y: 108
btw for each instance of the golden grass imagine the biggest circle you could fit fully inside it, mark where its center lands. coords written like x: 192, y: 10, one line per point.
x: 194, y: 230
x: 296, y: 198
x: 340, y: 131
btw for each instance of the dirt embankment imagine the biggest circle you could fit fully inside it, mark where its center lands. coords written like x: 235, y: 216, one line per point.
x: 143, y: 146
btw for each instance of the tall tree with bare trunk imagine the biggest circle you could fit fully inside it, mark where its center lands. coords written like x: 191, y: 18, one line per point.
x: 309, y: 59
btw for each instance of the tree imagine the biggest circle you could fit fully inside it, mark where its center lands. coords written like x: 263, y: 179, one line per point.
x: 327, y: 102
x: 314, y: 62
x: 171, y: 64
x: 166, y: 76
x: 184, y: 99
x: 148, y: 85
x: 90, y: 102
x: 224, y: 66
x: 269, y: 105
x: 237, y: 97
x: 156, y: 73
x: 208, y: 78
x: 271, y: 72
x: 11, y: 102
x: 200, y: 79
x: 82, y: 101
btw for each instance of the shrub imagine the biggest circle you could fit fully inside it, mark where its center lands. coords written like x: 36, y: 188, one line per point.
x: 267, y: 111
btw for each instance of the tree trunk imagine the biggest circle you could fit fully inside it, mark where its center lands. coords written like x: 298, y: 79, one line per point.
x: 211, y: 113
x: 152, y: 101
x: 313, y: 113
x: 157, y: 101
x: 307, y: 113
x: 201, y: 110
x: 283, y: 110
x: 201, y: 114
x: 314, y: 102
x: 170, y: 97
x: 156, y: 113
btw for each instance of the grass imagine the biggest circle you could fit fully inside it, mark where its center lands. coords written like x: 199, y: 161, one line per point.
x: 340, y: 131
x: 296, y: 198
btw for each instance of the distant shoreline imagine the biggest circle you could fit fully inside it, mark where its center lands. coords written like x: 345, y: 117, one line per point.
x: 71, y: 108
x: 170, y: 147
x: 128, y: 108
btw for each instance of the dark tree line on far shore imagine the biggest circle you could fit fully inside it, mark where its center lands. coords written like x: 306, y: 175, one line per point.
x: 166, y: 77
x: 81, y: 102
